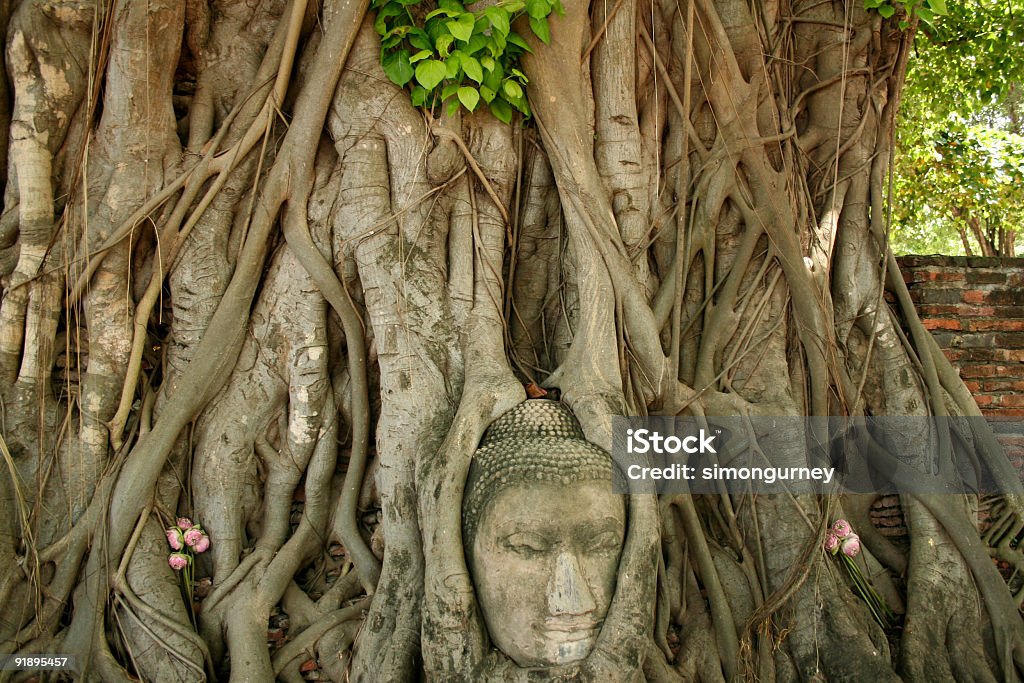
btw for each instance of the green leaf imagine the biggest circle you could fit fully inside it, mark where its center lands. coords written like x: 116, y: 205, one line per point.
x: 886, y: 11
x: 502, y: 110
x: 541, y: 30
x: 472, y: 68
x: 487, y: 62
x: 420, y: 56
x: 462, y: 28
x: 926, y: 15
x: 439, y: 11
x: 453, y: 65
x: 938, y: 7
x: 476, y: 43
x: 522, y: 105
x: 487, y: 93
x: 449, y: 90
x: 398, y: 31
x: 397, y: 67
x: 499, y: 19
x: 517, y: 40
x: 444, y: 44
x: 388, y: 11
x: 538, y: 9
x: 469, y: 97
x: 499, y: 42
x: 430, y: 72
x: 492, y: 79
x: 418, y: 38
x: 453, y: 5
x: 419, y: 96
x: 512, y: 90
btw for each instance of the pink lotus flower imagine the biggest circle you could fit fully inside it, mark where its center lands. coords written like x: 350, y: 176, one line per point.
x: 831, y: 544
x: 174, y: 538
x: 184, y: 523
x: 192, y: 536
x: 841, y: 528
x: 202, y: 545
x: 178, y: 561
x: 851, y: 545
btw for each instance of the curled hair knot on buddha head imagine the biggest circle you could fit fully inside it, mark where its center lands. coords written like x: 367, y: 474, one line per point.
x: 537, y: 441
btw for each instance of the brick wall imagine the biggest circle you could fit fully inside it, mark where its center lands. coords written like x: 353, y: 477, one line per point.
x: 975, y: 309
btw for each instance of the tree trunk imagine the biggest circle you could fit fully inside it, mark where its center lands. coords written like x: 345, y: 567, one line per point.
x: 245, y: 281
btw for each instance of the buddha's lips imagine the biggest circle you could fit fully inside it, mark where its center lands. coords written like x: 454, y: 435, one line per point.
x: 585, y: 628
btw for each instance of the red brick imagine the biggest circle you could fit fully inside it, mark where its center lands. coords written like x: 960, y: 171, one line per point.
x: 1012, y: 400
x: 1002, y: 385
x: 997, y: 324
x: 984, y: 400
x: 1006, y: 297
x: 973, y: 386
x: 978, y: 370
x: 972, y: 296
x: 941, y: 324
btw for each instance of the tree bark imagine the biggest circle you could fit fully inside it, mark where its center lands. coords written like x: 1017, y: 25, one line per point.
x: 247, y: 282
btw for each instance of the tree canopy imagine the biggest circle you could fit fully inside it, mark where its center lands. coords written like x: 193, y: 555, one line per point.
x: 959, y: 173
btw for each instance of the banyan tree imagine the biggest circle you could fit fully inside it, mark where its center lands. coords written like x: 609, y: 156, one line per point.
x: 276, y: 266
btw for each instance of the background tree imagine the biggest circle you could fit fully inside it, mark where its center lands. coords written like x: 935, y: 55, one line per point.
x: 244, y: 273
x: 958, y: 171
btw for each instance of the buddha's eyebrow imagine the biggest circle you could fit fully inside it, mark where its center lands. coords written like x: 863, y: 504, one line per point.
x: 602, y: 524
x: 591, y: 526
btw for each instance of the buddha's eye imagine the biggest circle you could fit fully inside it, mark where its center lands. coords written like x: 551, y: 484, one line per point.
x: 526, y: 544
x: 604, y: 542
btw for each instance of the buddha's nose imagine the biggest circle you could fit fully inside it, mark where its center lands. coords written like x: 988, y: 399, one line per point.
x: 568, y: 591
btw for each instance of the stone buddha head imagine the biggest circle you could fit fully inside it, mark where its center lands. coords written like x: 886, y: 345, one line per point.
x: 543, y: 532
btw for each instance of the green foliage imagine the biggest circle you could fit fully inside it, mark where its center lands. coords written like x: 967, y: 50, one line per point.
x: 959, y: 145
x: 964, y: 174
x: 454, y: 56
x: 925, y: 10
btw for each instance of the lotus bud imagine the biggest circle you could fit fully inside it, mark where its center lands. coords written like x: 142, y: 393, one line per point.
x: 202, y: 545
x: 192, y: 536
x: 851, y: 545
x: 178, y: 561
x: 831, y: 544
x: 841, y: 528
x: 175, y: 539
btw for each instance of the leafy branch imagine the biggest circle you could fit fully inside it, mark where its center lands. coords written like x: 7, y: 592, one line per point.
x: 455, y: 56
x: 925, y: 10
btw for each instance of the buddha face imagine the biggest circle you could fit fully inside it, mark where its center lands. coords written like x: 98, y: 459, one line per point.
x: 544, y: 562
